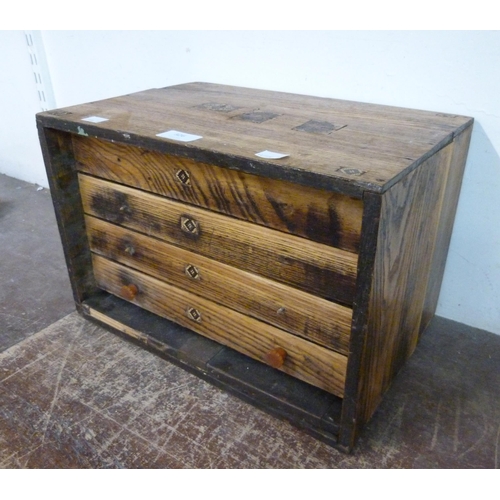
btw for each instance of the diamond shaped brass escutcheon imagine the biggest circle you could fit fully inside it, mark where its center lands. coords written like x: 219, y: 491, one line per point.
x: 189, y: 225
x: 183, y: 177
x: 194, y: 314
x: 192, y: 272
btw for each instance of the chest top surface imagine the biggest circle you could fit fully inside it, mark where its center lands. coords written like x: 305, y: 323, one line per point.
x: 345, y: 146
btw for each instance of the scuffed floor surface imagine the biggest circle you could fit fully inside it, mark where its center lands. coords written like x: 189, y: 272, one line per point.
x: 77, y: 396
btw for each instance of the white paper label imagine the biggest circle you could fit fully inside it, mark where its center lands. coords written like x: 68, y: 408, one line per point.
x: 95, y: 119
x: 271, y: 155
x: 175, y: 135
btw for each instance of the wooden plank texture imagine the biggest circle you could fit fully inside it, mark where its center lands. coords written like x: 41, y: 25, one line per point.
x: 64, y: 188
x: 316, y: 214
x: 307, y: 361
x: 409, y: 219
x: 308, y: 316
x: 368, y: 247
x: 307, y: 265
x: 443, y: 235
x: 362, y: 145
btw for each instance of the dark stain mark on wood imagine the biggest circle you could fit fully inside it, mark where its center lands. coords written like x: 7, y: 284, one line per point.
x: 317, y: 127
x: 258, y: 215
x: 316, y: 230
x: 330, y: 284
x: 99, y: 242
x: 351, y: 171
x: 112, y: 206
x: 218, y: 195
x: 256, y: 116
x: 219, y: 107
x: 156, y: 227
x: 284, y: 211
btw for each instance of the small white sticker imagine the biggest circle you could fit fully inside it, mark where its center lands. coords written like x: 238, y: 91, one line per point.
x: 271, y: 155
x: 179, y: 136
x: 95, y: 119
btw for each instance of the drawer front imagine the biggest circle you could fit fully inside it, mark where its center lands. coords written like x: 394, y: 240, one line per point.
x: 297, y: 312
x: 319, y: 269
x: 302, y: 359
x: 315, y: 214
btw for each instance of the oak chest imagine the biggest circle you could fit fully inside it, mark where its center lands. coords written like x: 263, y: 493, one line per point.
x: 289, y: 249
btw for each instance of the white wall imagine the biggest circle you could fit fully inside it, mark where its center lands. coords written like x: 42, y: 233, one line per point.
x: 20, y: 154
x: 453, y: 72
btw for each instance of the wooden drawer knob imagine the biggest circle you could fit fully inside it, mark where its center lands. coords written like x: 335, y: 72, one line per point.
x: 275, y: 357
x: 130, y: 249
x: 125, y: 209
x: 129, y: 292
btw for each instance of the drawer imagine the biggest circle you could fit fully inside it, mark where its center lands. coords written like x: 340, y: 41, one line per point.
x: 312, y: 267
x: 315, y: 214
x: 297, y: 312
x: 302, y: 359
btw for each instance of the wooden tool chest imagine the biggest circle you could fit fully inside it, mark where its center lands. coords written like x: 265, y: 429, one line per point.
x: 289, y: 249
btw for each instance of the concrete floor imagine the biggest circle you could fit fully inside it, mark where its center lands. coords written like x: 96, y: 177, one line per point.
x: 35, y: 289
x: 73, y: 395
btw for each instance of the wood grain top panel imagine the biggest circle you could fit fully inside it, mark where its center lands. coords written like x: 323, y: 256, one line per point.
x: 360, y: 146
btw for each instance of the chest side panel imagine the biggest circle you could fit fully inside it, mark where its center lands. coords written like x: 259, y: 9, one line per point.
x: 409, y: 224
